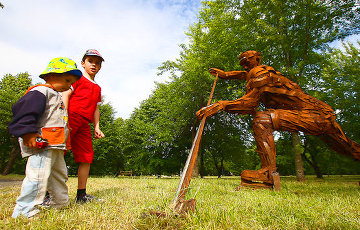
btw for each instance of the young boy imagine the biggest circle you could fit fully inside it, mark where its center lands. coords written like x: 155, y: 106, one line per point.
x: 40, y: 113
x: 82, y: 101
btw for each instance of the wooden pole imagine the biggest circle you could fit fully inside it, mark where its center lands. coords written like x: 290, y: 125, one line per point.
x: 190, y: 162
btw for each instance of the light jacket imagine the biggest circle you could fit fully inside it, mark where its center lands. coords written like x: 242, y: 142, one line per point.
x: 42, y: 111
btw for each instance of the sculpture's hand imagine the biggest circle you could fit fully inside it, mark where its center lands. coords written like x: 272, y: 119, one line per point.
x: 200, y: 113
x: 220, y: 72
x: 209, y: 111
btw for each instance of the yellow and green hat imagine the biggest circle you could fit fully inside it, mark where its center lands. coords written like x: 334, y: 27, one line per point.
x: 62, y: 65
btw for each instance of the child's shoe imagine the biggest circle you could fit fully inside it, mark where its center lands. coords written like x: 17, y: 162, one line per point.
x: 47, y: 201
x: 85, y: 198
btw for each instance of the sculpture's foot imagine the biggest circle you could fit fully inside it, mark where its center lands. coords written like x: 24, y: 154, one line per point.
x: 253, y: 185
x: 260, y: 179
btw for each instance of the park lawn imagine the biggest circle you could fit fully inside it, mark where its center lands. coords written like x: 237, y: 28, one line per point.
x: 331, y: 203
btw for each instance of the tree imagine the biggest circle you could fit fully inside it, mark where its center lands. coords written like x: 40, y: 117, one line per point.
x: 288, y: 33
x: 206, y: 49
x: 158, y: 129
x: 340, y: 86
x: 11, y: 89
x: 109, y: 157
x: 291, y: 32
x: 108, y: 151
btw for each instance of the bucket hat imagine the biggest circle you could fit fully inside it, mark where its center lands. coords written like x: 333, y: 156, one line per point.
x: 61, y: 65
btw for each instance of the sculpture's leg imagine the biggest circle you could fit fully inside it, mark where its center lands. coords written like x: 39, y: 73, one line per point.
x: 263, y: 133
x: 307, y: 121
x: 322, y: 125
x: 338, y: 141
x: 263, y: 125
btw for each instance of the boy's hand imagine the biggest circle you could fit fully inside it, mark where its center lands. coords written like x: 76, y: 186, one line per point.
x: 98, y: 133
x: 29, y: 139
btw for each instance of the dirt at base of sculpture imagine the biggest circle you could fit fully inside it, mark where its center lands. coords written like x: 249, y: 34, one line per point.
x: 184, y: 206
x: 181, y: 208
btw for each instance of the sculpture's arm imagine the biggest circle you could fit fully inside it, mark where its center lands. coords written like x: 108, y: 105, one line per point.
x: 244, y: 105
x: 229, y: 74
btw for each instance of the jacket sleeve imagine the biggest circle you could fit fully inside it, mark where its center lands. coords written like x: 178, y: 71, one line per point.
x: 26, y: 113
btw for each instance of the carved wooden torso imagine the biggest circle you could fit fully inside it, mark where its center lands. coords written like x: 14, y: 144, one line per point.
x: 278, y: 92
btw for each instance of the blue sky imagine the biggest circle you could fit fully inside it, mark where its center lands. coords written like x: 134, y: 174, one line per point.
x: 134, y: 37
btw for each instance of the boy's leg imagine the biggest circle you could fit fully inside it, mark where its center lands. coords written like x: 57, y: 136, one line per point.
x: 83, y: 174
x: 81, y: 143
x: 82, y: 196
x: 34, y: 185
x: 57, y: 180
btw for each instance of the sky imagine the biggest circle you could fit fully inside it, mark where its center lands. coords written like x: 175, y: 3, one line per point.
x: 133, y: 36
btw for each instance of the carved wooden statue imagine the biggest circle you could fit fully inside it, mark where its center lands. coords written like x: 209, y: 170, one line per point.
x: 288, y: 108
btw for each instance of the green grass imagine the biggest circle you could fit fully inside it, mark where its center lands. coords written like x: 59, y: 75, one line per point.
x: 332, y: 203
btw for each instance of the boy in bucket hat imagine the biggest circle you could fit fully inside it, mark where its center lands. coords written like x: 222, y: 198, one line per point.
x: 40, y: 123
x: 82, y: 101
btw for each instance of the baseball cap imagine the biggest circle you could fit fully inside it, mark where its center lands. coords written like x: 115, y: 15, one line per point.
x: 92, y: 52
x: 61, y: 65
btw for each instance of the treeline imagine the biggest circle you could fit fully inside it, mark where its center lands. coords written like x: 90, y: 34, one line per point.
x: 293, y: 36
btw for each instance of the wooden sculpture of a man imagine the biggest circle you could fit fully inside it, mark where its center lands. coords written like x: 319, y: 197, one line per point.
x: 288, y: 108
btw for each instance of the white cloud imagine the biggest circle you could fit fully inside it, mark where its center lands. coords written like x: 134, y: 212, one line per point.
x: 351, y: 39
x: 134, y: 37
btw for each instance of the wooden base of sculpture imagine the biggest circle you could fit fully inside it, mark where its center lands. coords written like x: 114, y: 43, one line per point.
x: 272, y: 183
x: 276, y: 178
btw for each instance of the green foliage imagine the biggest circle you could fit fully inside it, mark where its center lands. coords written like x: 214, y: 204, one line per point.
x: 157, y: 132
x: 289, y: 35
x: 293, y: 36
x: 340, y: 86
x: 11, y: 89
x: 108, y: 159
x: 108, y: 153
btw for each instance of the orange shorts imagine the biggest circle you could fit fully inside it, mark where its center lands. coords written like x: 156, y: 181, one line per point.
x: 81, y: 140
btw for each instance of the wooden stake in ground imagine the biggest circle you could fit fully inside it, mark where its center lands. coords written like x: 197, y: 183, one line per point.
x: 179, y: 204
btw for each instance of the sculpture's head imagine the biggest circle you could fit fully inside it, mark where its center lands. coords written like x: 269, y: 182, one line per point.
x: 249, y: 59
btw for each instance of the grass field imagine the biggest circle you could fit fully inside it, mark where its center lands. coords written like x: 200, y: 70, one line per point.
x: 332, y: 203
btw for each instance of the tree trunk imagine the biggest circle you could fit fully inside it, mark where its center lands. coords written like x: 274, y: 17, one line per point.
x: 222, y: 167
x: 202, y: 167
x: 313, y: 164
x: 15, y: 151
x: 195, y: 172
x: 218, y: 169
x: 316, y: 167
x: 300, y: 176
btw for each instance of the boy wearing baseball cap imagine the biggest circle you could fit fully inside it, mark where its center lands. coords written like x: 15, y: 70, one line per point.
x: 82, y: 101
x: 40, y: 123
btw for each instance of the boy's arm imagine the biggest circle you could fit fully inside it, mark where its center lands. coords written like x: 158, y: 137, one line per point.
x: 98, y: 133
x: 66, y: 97
x: 26, y: 113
